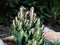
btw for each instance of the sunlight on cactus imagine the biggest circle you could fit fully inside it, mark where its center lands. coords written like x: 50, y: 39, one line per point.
x: 26, y: 28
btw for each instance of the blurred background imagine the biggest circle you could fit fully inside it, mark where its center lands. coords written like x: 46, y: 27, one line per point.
x: 47, y: 10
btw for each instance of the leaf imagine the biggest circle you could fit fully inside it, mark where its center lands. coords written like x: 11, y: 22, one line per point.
x: 57, y: 42
x: 29, y: 42
x: 37, y: 25
x: 26, y: 36
x: 40, y: 42
x: 20, y: 35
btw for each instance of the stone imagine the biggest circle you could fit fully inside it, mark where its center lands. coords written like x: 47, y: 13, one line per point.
x: 2, y: 43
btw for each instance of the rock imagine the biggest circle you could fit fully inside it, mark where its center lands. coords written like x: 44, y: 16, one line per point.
x: 2, y: 43
x: 50, y: 34
x: 47, y: 29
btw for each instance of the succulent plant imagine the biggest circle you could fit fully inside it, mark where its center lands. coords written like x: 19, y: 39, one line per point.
x: 57, y: 42
x: 26, y: 28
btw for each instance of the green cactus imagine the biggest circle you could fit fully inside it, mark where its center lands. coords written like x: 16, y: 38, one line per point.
x: 23, y: 30
x: 57, y: 42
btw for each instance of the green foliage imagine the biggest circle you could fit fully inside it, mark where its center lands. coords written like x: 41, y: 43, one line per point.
x: 52, y: 11
x: 57, y: 42
x: 9, y: 8
x: 47, y: 42
x: 46, y: 9
x: 23, y: 30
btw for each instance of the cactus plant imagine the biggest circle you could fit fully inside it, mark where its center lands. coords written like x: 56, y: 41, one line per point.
x: 26, y: 28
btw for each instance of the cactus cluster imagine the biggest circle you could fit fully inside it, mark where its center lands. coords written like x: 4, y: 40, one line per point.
x: 26, y: 28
